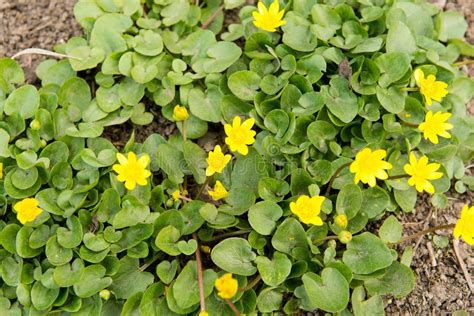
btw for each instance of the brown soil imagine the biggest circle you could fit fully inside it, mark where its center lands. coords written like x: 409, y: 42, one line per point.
x: 441, y: 286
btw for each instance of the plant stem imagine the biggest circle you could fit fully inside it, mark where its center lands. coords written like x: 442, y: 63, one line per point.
x: 400, y: 176
x: 338, y: 171
x: 149, y: 263
x: 201, y: 189
x: 212, y: 17
x: 424, y: 232
x: 464, y: 62
x: 409, y: 89
x: 409, y: 124
x: 326, y: 239
x: 232, y: 306
x: 231, y: 234
x: 202, y: 299
x: 252, y: 283
x: 183, y: 130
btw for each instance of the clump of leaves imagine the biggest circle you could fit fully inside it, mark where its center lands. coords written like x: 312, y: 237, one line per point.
x: 326, y: 113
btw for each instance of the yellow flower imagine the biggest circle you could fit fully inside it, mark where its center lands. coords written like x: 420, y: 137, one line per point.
x: 226, y: 286
x: 1, y: 170
x: 268, y: 19
x: 341, y: 221
x: 421, y: 171
x: 176, y: 195
x: 216, y: 161
x: 240, y: 135
x: 203, y: 313
x: 434, y: 125
x: 307, y: 209
x: 465, y: 226
x: 132, y: 171
x: 429, y: 87
x: 27, y: 210
x: 369, y: 165
x: 219, y: 191
x: 180, y: 113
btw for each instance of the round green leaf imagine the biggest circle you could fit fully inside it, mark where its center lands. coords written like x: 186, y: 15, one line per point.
x: 234, y: 255
x: 263, y: 216
x: 24, y: 100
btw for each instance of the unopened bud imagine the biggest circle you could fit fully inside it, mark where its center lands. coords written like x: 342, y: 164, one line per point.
x: 345, y: 236
x: 104, y: 294
x: 341, y: 221
x: 35, y: 125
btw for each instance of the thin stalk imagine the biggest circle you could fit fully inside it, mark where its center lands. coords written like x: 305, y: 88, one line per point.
x: 202, y: 298
x: 231, y: 234
x: 232, y: 307
x: 201, y: 189
x: 183, y: 129
x: 149, y: 263
x: 212, y: 17
x: 252, y: 283
x: 464, y: 62
x: 400, y: 176
x: 409, y: 124
x: 338, y: 171
x: 424, y: 232
x: 409, y: 89
x: 326, y: 239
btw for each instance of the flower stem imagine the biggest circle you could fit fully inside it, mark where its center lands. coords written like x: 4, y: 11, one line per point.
x: 202, y: 299
x: 400, y: 176
x: 409, y: 124
x: 231, y: 234
x: 409, y: 89
x: 464, y: 62
x: 183, y: 130
x: 212, y: 17
x: 201, y: 189
x: 326, y: 239
x: 424, y: 232
x: 338, y: 171
x: 149, y: 263
x: 232, y: 307
x: 252, y: 283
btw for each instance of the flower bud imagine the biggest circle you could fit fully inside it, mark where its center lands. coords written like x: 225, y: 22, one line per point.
x: 35, y: 125
x: 43, y: 143
x: 104, y: 294
x: 170, y: 202
x: 341, y: 221
x: 344, y: 236
x: 180, y: 113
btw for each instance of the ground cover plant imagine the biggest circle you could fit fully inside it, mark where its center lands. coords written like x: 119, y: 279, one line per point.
x: 334, y: 115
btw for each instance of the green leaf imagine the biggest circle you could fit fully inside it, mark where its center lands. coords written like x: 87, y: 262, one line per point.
x: 129, y: 279
x: 406, y: 199
x: 372, y: 306
x: 392, y: 99
x: 148, y: 43
x: 92, y: 281
x: 166, y: 270
x: 10, y: 71
x: 391, y: 230
x: 234, y: 255
x: 232, y: 4
x: 133, y: 212
x: 263, y: 216
x: 43, y: 298
x: 366, y: 253
x: 206, y: 106
x: 269, y: 300
x: 349, y: 200
x: 374, y: 201
x: 450, y: 24
x: 24, y: 100
x: 107, y: 32
x: 85, y: 57
x: 398, y: 280
x: 274, y: 272
x: 4, y: 140
x: 186, y: 289
x: 196, y: 160
x: 244, y: 84
x: 329, y: 292
x: 400, y: 39
x: 297, y: 33
x: 169, y: 160
x: 340, y: 99
x: 167, y: 240
x: 289, y: 236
